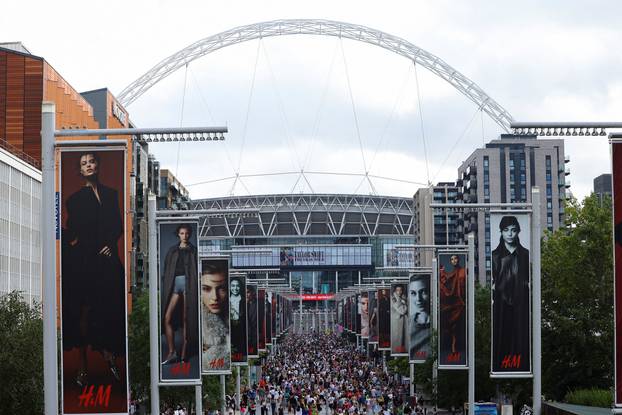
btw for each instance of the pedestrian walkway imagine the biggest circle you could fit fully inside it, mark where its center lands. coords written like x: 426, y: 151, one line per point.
x: 323, y: 374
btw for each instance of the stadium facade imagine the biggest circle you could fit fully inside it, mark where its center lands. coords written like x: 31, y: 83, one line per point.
x: 327, y: 242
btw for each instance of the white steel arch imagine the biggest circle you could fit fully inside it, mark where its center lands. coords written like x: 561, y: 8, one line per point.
x: 324, y: 28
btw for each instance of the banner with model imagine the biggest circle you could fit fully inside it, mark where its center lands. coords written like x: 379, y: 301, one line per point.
x: 237, y: 314
x: 399, y: 320
x: 384, y: 319
x: 216, y: 326
x: 180, y: 336
x: 252, y: 311
x: 616, y: 154
x: 261, y: 320
x: 452, y: 324
x: 93, y: 262
x: 419, y: 318
x: 372, y: 295
x: 510, y: 238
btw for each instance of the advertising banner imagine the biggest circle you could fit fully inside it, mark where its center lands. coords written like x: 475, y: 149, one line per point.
x: 180, y: 361
x: 274, y: 319
x: 399, y: 319
x: 269, y: 326
x: 245, y: 256
x: 397, y: 256
x: 237, y: 314
x: 372, y: 295
x: 452, y: 324
x: 384, y: 319
x: 93, y: 263
x: 616, y: 154
x: 364, y: 306
x: 510, y: 236
x: 215, y: 319
x: 419, y: 317
x: 357, y: 315
x: 261, y: 320
x: 251, y: 320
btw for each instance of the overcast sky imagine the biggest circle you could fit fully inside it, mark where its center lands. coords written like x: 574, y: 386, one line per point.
x: 293, y: 100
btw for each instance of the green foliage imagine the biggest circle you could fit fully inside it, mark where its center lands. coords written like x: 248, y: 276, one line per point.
x: 21, y: 356
x: 577, y: 301
x: 399, y: 365
x: 590, y: 397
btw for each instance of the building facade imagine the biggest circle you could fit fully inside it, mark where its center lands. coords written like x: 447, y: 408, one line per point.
x: 20, y: 230
x: 602, y: 186
x: 326, y: 242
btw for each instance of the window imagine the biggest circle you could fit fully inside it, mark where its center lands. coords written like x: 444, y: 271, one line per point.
x: 485, y: 161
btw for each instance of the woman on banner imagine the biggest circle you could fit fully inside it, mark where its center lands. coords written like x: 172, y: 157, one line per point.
x: 93, y: 303
x: 399, y: 317
x: 215, y: 322
x: 453, y: 304
x: 179, y: 308
x: 510, y: 272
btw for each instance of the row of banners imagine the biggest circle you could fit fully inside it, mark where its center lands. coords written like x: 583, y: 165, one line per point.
x: 398, y: 318
x: 203, y: 309
x: 209, y: 319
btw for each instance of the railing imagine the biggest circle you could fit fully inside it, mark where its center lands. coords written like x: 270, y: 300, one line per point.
x: 19, y: 153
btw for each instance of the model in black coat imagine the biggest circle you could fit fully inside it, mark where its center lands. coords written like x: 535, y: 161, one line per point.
x: 93, y: 284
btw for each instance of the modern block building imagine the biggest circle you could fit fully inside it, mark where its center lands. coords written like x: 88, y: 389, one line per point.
x: 504, y: 172
x: 436, y: 227
x: 602, y: 186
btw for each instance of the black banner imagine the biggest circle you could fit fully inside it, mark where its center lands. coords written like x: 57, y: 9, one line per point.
x: 261, y: 320
x: 511, y: 295
x: 93, y: 264
x: 238, y: 313
x: 251, y: 320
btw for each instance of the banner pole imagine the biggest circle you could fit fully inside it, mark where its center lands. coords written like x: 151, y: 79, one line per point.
x: 223, y: 394
x: 435, y: 301
x: 412, y: 379
x: 237, y: 388
x: 471, y: 321
x: 48, y: 259
x: 537, y: 302
x: 153, y: 305
x: 198, y: 397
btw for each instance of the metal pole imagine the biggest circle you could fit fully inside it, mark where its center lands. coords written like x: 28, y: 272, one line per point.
x: 198, y: 397
x: 48, y: 259
x: 537, y: 302
x: 300, y: 301
x: 412, y: 379
x: 154, y: 325
x: 434, y: 289
x: 471, y: 322
x: 223, y: 394
x: 237, y: 388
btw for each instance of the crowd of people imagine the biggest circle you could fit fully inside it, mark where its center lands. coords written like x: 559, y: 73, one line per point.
x: 323, y: 374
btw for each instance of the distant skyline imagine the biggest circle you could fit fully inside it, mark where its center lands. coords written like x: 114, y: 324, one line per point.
x: 294, y: 101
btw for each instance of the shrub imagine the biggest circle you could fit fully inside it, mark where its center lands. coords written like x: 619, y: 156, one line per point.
x: 590, y: 397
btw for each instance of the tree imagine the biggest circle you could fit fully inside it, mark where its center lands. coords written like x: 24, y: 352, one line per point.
x: 577, y: 300
x: 21, y: 356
